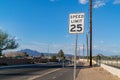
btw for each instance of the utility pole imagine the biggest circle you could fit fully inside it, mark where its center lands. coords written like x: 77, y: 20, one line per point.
x: 83, y: 53
x: 79, y: 53
x: 90, y: 33
x: 87, y: 45
x: 48, y: 52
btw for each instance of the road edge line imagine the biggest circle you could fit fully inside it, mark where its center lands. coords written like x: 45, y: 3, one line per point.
x: 38, y: 76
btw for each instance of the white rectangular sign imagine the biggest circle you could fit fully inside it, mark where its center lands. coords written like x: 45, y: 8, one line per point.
x: 76, y: 23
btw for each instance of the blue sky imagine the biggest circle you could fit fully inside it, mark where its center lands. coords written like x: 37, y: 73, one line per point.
x: 39, y: 24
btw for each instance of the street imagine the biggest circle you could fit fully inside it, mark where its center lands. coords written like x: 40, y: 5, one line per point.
x: 37, y: 72
x: 62, y: 74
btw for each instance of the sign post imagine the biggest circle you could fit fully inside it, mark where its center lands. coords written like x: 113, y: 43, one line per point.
x: 76, y: 26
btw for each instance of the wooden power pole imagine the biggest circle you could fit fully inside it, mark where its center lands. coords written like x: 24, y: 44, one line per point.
x: 90, y: 33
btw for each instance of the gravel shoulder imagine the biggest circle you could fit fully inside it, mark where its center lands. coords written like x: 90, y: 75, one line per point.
x: 95, y: 73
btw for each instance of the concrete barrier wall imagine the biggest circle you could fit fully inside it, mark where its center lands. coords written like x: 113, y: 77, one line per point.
x: 114, y: 71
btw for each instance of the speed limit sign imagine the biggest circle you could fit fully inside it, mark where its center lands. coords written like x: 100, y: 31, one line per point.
x: 76, y: 23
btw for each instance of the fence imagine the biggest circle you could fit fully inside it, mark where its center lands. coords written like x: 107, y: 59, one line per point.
x: 111, y: 61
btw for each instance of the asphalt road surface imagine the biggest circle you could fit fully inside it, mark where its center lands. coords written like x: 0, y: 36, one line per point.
x: 37, y: 72
x: 61, y: 74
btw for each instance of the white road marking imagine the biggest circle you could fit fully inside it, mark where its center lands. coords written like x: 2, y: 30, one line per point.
x: 38, y: 76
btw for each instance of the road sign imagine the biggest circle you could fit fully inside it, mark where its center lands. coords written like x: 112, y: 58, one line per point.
x: 76, y: 23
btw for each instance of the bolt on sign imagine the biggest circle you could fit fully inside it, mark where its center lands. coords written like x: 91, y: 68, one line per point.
x: 76, y: 23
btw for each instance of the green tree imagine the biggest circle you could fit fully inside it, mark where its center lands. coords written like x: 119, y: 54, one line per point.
x: 61, y: 54
x: 41, y: 55
x: 24, y: 54
x: 53, y: 58
x: 6, y: 42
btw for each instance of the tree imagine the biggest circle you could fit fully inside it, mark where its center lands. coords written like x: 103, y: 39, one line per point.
x: 53, y: 58
x: 6, y: 42
x: 41, y: 55
x: 24, y: 54
x: 61, y: 54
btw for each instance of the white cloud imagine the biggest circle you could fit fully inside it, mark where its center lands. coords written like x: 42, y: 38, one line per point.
x: 17, y: 38
x: 98, y: 4
x: 94, y: 47
x: 0, y: 27
x: 106, y: 49
x: 44, y: 47
x: 83, y: 1
x: 67, y: 36
x: 38, y: 43
x: 115, y: 51
x: 101, y: 41
x: 116, y: 2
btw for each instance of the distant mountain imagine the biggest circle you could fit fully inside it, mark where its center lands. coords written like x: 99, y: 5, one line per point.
x: 31, y: 52
x: 36, y: 53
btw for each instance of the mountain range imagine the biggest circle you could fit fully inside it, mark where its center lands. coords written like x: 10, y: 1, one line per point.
x: 37, y: 53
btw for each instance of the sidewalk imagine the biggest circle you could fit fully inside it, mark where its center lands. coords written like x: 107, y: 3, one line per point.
x: 95, y: 73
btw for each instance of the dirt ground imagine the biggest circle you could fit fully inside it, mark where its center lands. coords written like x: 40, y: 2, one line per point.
x: 95, y: 73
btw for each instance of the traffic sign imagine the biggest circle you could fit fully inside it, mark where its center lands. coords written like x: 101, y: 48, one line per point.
x: 76, y: 23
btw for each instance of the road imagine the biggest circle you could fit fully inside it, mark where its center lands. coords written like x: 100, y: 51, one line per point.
x: 37, y: 72
x: 61, y: 74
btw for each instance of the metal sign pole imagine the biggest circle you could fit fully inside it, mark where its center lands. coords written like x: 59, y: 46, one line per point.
x: 76, y: 39
x: 76, y: 26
